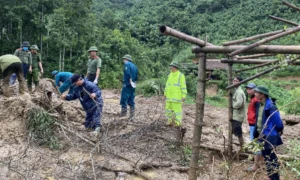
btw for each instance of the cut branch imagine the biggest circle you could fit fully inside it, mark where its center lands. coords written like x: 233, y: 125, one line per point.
x: 172, y: 32
x: 258, y: 66
x: 254, y: 56
x: 291, y: 5
x: 263, y: 41
x: 276, y: 49
x: 252, y: 38
x: 283, y: 20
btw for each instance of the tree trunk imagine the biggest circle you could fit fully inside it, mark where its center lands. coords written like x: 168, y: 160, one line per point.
x: 60, y: 51
x: 41, y: 45
x: 194, y: 163
x: 63, y: 59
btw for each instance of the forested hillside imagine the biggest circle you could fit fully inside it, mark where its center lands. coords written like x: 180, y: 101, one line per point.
x: 64, y: 30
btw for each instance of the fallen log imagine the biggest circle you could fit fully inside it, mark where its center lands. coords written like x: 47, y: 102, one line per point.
x: 292, y: 119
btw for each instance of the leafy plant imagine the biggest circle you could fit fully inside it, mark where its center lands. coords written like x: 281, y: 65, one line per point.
x: 41, y: 127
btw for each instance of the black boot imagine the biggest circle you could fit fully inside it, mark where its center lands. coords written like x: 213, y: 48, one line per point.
x: 123, y: 112
x: 131, y: 115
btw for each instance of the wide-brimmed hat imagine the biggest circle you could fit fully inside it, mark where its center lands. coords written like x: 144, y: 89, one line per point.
x: 128, y: 57
x: 25, y: 44
x: 93, y: 48
x: 175, y: 64
x: 34, y: 47
x: 250, y: 86
x: 262, y: 89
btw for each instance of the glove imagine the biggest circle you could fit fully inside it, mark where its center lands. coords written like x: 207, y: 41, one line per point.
x: 96, y: 81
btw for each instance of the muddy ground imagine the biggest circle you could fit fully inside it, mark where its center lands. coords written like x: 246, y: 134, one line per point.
x: 144, y: 148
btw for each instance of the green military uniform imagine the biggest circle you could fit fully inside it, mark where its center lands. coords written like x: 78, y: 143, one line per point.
x: 175, y: 91
x: 93, y: 64
x: 25, y: 56
x: 10, y: 64
x: 36, y: 58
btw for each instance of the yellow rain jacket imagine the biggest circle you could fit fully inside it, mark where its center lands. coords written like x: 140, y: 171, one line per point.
x: 175, y: 88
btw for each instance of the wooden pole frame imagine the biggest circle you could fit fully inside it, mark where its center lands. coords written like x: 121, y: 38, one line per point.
x: 230, y: 111
x: 291, y: 5
x: 258, y: 66
x: 254, y: 56
x: 200, y: 103
x: 283, y: 20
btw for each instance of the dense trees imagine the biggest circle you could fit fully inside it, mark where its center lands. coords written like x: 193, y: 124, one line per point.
x: 65, y: 29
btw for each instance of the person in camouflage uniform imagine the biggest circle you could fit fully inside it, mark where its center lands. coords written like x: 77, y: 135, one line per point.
x: 10, y: 64
x: 34, y: 70
x: 94, y: 65
x: 25, y: 55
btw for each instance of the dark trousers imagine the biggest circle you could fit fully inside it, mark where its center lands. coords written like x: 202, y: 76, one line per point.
x: 25, y: 69
x: 18, y: 70
x: 91, y: 77
x: 127, y: 96
x: 272, y: 163
x: 93, y: 117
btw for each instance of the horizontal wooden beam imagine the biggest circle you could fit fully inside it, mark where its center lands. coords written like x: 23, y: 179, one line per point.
x: 239, y: 41
x: 248, y: 61
x: 254, y: 56
x: 257, y: 66
x: 283, y: 20
x: 275, y: 49
x: 190, y: 39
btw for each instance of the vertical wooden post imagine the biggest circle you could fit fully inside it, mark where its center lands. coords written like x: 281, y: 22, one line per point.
x: 230, y: 110
x: 194, y: 166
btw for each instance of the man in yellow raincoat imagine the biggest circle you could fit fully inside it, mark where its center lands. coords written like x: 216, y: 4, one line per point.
x: 175, y: 93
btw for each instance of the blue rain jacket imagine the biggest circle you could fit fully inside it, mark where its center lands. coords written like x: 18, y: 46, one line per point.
x: 274, y: 126
x: 79, y: 93
x: 62, y: 77
x: 130, y: 72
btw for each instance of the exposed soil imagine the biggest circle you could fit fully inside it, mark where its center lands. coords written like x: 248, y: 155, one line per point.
x: 127, y: 149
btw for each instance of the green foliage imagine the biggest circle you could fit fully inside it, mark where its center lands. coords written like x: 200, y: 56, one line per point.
x: 41, y: 127
x: 191, y: 85
x: 294, y: 108
x: 293, y: 149
x: 217, y: 100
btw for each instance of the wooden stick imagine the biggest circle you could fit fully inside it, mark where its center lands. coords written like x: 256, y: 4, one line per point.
x: 263, y: 41
x: 253, y: 77
x: 276, y: 49
x: 283, y: 20
x: 291, y: 5
x: 230, y: 111
x: 254, y: 56
x: 200, y: 103
x: 258, y: 66
x: 248, y: 61
x: 172, y: 32
x: 252, y: 38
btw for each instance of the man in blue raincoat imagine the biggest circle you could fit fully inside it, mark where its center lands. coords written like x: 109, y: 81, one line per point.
x: 91, y: 100
x: 65, y: 79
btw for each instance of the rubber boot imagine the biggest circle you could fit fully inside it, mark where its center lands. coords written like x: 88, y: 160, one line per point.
x: 131, y: 115
x: 123, y: 112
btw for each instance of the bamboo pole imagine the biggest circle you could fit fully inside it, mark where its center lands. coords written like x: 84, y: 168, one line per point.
x: 194, y: 163
x: 258, y: 66
x: 283, y: 20
x: 248, y: 61
x: 276, y: 49
x: 254, y: 56
x: 230, y: 111
x: 263, y: 41
x: 253, y: 77
x: 291, y: 5
x: 172, y: 32
x: 239, y: 41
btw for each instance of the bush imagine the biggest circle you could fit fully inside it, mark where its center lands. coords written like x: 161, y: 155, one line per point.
x: 294, y: 108
x: 293, y: 149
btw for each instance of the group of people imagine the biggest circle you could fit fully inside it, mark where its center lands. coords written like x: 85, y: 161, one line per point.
x: 264, y: 122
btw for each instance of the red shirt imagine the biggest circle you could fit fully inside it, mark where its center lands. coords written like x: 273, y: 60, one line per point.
x: 251, y: 117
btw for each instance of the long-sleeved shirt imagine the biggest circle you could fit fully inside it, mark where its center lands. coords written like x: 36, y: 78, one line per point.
x: 175, y: 88
x: 62, y: 77
x: 239, y: 105
x: 130, y: 72
x: 80, y: 92
x: 25, y: 56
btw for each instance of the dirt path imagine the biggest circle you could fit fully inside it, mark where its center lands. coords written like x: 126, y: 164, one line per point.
x: 125, y: 146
